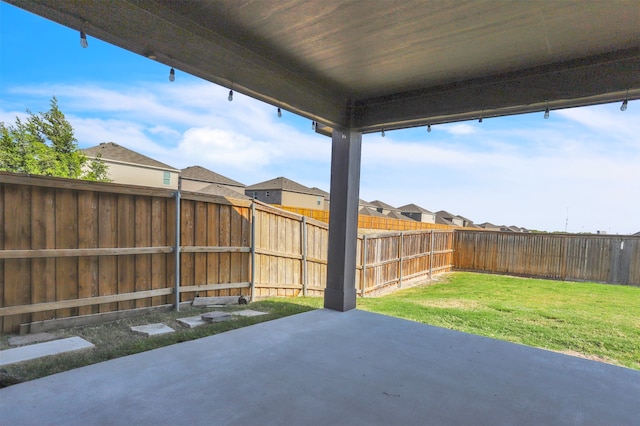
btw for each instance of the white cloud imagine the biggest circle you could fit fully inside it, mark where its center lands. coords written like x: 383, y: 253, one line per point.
x: 459, y: 129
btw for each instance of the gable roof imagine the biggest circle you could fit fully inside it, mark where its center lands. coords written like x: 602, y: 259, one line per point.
x: 370, y: 211
x: 383, y: 205
x: 205, y: 175
x: 115, y: 152
x: 413, y: 208
x: 322, y: 192
x: 221, y: 190
x: 282, y: 184
x: 442, y: 221
x: 397, y: 215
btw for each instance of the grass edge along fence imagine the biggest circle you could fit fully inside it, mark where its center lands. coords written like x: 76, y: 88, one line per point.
x: 610, y: 259
x: 74, y: 249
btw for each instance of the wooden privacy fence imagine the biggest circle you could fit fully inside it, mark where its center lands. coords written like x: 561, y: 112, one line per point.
x: 600, y: 258
x: 72, y: 248
x: 392, y: 260
x: 372, y: 222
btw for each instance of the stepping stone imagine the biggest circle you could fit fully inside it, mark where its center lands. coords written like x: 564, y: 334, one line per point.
x: 31, y: 338
x: 152, y: 329
x: 38, y: 350
x: 216, y: 316
x: 192, y: 322
x: 249, y: 313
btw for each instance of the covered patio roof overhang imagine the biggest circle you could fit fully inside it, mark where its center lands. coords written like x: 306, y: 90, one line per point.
x: 355, y: 67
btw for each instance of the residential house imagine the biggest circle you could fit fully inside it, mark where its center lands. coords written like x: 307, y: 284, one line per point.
x: 200, y: 179
x: 326, y: 195
x: 285, y: 192
x: 489, y: 226
x: 443, y: 217
x: 132, y: 168
x: 418, y: 213
x: 397, y: 215
x: 370, y: 211
x: 383, y: 207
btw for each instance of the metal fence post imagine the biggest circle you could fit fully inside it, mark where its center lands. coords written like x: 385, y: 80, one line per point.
x: 364, y: 264
x: 431, y: 255
x: 400, y: 254
x: 304, y: 255
x: 253, y: 250
x: 177, y: 247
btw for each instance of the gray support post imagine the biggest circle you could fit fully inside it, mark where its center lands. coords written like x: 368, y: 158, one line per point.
x: 340, y: 293
x: 253, y: 250
x: 177, y: 248
x: 364, y: 265
x: 431, y: 256
x: 400, y: 250
x: 304, y: 255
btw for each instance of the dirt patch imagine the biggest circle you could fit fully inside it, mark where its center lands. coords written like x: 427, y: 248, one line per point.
x: 451, y: 304
x: 591, y: 357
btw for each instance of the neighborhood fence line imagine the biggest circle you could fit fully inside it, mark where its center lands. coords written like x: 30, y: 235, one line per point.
x: 612, y: 259
x: 71, y: 248
x: 372, y: 222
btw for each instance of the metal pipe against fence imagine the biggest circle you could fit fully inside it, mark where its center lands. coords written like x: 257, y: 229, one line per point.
x: 177, y: 247
x: 304, y: 255
x: 400, y: 254
x: 364, y: 264
x: 253, y: 250
x: 431, y: 255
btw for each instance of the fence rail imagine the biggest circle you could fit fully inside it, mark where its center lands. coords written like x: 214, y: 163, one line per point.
x: 599, y: 258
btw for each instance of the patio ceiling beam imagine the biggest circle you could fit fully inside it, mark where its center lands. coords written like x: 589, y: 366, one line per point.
x: 595, y: 80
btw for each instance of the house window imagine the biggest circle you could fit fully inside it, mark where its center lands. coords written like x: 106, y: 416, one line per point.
x: 266, y: 194
x: 166, y: 178
x: 255, y: 195
x: 319, y: 202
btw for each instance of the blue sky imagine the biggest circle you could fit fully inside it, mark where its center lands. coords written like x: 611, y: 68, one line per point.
x: 521, y: 170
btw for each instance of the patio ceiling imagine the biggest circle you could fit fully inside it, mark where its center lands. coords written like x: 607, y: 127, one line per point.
x: 368, y: 65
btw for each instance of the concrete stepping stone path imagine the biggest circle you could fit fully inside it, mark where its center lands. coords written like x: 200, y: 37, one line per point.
x: 38, y: 350
x: 152, y: 329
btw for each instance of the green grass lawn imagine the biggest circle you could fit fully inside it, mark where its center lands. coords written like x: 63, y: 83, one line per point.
x: 597, y: 321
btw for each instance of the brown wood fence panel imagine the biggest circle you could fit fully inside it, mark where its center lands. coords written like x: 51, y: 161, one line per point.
x: 70, y: 248
x: 598, y: 258
x: 50, y: 220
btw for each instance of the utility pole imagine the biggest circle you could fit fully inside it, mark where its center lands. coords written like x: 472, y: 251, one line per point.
x: 566, y: 222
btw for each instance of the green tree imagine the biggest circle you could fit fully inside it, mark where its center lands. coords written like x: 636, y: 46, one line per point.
x: 45, y: 145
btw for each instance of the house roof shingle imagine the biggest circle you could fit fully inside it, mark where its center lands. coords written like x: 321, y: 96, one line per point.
x: 283, y: 184
x: 382, y: 205
x: 205, y: 175
x: 413, y: 208
x: 369, y: 211
x: 115, y: 152
x: 221, y: 190
x: 397, y: 215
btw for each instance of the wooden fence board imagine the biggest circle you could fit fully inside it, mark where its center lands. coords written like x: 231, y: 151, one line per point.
x: 201, y: 225
x: 159, y: 238
x: 108, y: 237
x: 126, y: 238
x: 17, y: 272
x: 87, y: 238
x: 142, y: 270
x: 66, y: 237
x: 43, y: 237
x: 213, y: 259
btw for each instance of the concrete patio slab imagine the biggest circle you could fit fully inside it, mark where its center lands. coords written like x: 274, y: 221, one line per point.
x: 328, y: 368
x: 249, y: 313
x: 38, y: 350
x: 192, y: 322
x: 152, y: 329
